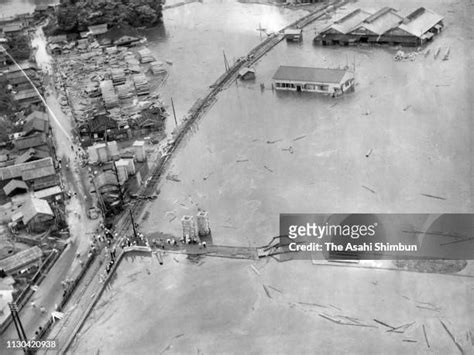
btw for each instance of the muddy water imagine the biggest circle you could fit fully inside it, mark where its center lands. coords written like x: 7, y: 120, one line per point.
x: 412, y: 116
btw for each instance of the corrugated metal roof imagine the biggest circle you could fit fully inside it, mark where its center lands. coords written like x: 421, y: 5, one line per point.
x: 50, y: 191
x: 382, y: 21
x: 26, y: 94
x: 34, y: 207
x: 43, y: 166
x: 31, y: 154
x: 309, y: 75
x: 348, y: 22
x: 420, y: 21
x: 36, y: 124
x: 21, y: 259
x: 30, y: 141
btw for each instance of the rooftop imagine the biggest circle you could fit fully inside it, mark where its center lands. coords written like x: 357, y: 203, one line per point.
x: 26, y: 171
x: 307, y: 74
x: 420, y: 21
x: 98, y: 29
x: 347, y: 23
x: 34, y: 207
x: 382, y: 21
x: 30, y: 141
x: 20, y: 259
x: 14, y: 184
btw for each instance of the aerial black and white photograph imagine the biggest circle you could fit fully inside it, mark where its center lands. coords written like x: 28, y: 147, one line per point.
x: 236, y: 177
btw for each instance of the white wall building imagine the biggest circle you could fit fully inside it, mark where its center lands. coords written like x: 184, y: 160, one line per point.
x: 318, y: 80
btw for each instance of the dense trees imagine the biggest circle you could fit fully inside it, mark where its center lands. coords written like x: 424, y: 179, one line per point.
x: 76, y: 15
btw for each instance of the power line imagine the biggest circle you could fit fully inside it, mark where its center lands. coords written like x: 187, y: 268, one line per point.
x: 2, y: 48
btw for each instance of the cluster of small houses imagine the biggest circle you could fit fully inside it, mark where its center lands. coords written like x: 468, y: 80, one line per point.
x: 106, y: 83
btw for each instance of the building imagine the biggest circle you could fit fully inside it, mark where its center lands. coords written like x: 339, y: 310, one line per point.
x: 13, y: 29
x: 26, y: 98
x: 386, y: 26
x: 36, y: 122
x: 31, y: 154
x: 247, y: 73
x: 19, y: 81
x: 318, y: 80
x: 373, y: 28
x: 294, y: 34
x: 38, y: 174
x: 338, y: 32
x: 21, y: 260
x: 419, y: 27
x: 36, y: 215
x: 15, y: 187
x: 97, y: 31
x: 32, y: 141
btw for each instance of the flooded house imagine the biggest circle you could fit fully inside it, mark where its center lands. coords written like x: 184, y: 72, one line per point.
x: 318, y: 80
x: 247, y: 73
x: 293, y: 34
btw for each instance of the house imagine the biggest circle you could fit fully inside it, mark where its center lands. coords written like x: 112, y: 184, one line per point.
x: 55, y: 49
x: 97, y: 30
x: 373, y: 28
x: 57, y: 39
x: 319, y: 80
x: 31, y: 155
x: 417, y: 28
x: 28, y: 67
x: 247, y: 73
x: 15, y: 187
x: 294, y: 34
x: 32, y: 141
x: 19, y: 81
x: 21, y: 260
x: 39, y: 174
x: 97, y: 126
x: 36, y: 215
x: 13, y: 29
x: 43, y: 9
x: 36, y: 122
x: 50, y: 194
x: 26, y: 98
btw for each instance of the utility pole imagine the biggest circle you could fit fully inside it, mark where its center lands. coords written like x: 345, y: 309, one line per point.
x: 118, y: 183
x: 133, y: 224
x: 226, y: 63
x: 174, y: 113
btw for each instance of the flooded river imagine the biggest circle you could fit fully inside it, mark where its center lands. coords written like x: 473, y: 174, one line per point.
x: 238, y: 166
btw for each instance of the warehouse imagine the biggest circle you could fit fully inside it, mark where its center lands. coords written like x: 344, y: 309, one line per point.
x: 386, y: 26
x: 319, y: 80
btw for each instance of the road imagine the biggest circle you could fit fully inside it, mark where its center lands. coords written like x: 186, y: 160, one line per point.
x: 68, y: 265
